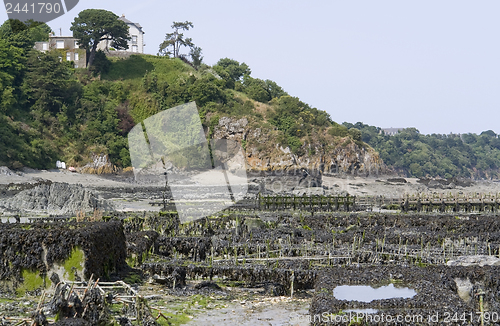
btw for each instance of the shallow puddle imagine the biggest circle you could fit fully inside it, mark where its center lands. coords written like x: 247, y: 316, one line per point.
x: 365, y: 293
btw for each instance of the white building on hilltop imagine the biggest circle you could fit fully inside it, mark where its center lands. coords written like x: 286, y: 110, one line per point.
x: 390, y: 131
x: 136, y: 43
x: 68, y: 49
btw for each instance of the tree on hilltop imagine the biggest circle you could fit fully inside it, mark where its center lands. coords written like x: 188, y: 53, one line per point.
x: 176, y: 40
x: 235, y: 70
x: 24, y: 34
x: 95, y: 25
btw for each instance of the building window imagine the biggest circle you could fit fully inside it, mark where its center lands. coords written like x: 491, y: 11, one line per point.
x: 77, y: 57
x: 76, y: 66
x: 60, y: 44
x: 60, y: 59
x: 76, y: 45
x: 45, y: 46
x: 135, y: 48
x: 134, y: 39
x: 68, y: 56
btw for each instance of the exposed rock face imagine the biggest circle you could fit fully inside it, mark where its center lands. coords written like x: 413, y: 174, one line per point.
x: 233, y: 126
x: 476, y: 260
x: 55, y: 198
x: 263, y: 152
x: 450, y: 183
x: 100, y: 165
x: 6, y: 171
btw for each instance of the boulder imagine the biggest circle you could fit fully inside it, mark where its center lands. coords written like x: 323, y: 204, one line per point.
x: 476, y: 260
x: 55, y: 198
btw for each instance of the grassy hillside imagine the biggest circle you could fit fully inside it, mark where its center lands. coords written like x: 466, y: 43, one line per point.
x: 50, y: 111
x: 135, y: 67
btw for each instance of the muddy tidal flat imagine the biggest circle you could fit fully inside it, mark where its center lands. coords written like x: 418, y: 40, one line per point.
x: 81, y: 249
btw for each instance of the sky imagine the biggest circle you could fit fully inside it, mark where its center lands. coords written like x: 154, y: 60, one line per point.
x: 432, y: 65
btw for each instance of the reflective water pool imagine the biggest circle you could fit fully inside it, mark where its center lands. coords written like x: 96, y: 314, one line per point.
x: 365, y: 293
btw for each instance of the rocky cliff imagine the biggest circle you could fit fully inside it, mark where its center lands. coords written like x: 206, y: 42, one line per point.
x: 54, y: 198
x: 320, y: 153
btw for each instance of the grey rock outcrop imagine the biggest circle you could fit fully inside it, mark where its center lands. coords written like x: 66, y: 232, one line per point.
x: 100, y: 164
x: 477, y: 260
x: 264, y: 153
x: 55, y: 198
x: 5, y: 171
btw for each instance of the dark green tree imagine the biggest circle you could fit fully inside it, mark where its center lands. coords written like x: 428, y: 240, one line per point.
x: 226, y: 78
x: 256, y: 89
x: 11, y: 66
x: 49, y: 85
x: 24, y: 34
x: 196, y: 57
x: 355, y: 134
x: 274, y: 90
x: 101, y: 63
x: 205, y: 90
x: 176, y: 40
x: 235, y: 70
x: 95, y: 25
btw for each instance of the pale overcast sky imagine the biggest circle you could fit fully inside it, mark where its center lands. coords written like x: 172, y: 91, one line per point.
x: 433, y: 65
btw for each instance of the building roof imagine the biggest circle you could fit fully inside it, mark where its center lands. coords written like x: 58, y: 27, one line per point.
x: 59, y: 36
x: 126, y: 21
x: 391, y: 131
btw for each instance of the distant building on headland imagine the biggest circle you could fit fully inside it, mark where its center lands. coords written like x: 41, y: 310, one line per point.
x: 136, y: 42
x: 390, y: 131
x: 68, y: 49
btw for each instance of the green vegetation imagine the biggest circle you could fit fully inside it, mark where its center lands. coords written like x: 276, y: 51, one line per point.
x: 50, y: 110
x: 132, y: 260
x: 32, y: 281
x: 133, y: 278
x: 95, y: 25
x: 174, y: 319
x: 417, y: 155
x: 75, y: 262
x: 20, y: 143
x: 176, y: 39
x: 181, y: 311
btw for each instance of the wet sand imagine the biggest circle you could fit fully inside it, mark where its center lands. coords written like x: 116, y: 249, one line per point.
x: 354, y: 185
